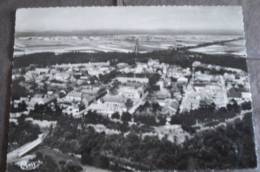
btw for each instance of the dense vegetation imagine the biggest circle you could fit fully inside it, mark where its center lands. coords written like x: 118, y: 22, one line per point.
x: 50, y: 112
x: 219, y: 149
x: 207, y: 114
x: 21, y: 132
x: 179, y: 57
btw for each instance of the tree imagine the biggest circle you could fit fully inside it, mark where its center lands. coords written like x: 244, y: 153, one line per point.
x: 81, y: 106
x: 246, y: 105
x: 146, y: 105
x: 233, y: 106
x: 115, y: 85
x: 24, y: 132
x: 102, y: 161
x: 161, y: 120
x: 129, y: 103
x: 91, y: 117
x: 126, y: 117
x: 71, y: 166
x: 156, y: 107
x: 175, y: 120
x: 188, y: 128
x: 115, y: 115
x: 149, y: 120
x: 22, y: 106
x: 18, y: 90
x: 154, y: 78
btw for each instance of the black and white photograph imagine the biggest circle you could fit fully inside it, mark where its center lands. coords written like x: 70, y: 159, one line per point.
x: 148, y: 88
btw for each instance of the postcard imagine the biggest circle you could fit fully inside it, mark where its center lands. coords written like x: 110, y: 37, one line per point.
x: 148, y: 88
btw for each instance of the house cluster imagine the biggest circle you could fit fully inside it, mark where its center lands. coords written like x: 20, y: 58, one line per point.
x: 79, y: 88
x: 204, y: 89
x: 219, y: 87
x: 127, y: 95
x: 75, y: 101
x: 167, y: 91
x: 70, y: 84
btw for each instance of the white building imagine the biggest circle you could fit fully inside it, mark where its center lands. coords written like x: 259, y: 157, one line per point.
x: 132, y: 79
x: 109, y: 106
x: 129, y: 92
x: 61, y: 76
x: 73, y: 96
x: 246, y: 96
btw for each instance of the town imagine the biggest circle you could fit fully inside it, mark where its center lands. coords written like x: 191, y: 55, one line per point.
x: 151, y: 93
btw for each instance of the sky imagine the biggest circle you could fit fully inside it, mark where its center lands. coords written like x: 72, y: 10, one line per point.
x: 173, y: 18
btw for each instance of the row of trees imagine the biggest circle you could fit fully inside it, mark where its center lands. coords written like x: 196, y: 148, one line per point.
x: 50, y: 112
x: 206, y: 114
x: 21, y: 107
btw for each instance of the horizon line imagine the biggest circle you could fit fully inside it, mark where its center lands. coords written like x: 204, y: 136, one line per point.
x: 118, y: 31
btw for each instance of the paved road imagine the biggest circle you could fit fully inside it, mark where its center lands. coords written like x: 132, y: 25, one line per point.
x: 19, y: 152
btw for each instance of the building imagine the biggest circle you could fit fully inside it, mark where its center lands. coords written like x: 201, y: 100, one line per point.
x: 73, y: 96
x: 132, y: 79
x: 109, y: 104
x: 90, y: 93
x: 246, y: 96
x: 129, y: 92
x: 40, y: 99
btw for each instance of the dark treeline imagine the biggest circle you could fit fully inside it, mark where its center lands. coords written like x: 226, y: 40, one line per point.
x: 206, y: 115
x: 179, y: 57
x: 214, y: 71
